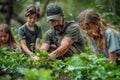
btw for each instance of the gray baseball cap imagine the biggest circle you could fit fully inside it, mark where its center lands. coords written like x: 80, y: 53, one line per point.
x: 53, y: 11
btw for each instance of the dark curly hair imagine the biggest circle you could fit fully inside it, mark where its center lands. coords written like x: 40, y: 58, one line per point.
x: 31, y: 9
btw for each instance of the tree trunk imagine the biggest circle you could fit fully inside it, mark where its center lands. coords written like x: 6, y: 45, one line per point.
x: 117, y: 7
x: 9, y: 11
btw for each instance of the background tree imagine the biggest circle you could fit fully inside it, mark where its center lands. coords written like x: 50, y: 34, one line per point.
x: 12, y: 11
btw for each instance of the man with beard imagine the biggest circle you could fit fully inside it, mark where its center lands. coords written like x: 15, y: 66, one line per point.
x: 64, y: 35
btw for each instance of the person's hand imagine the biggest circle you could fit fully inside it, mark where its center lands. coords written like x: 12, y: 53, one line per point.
x: 52, y: 56
x: 35, y: 57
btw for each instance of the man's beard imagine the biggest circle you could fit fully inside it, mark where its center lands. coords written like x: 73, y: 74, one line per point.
x: 59, y: 28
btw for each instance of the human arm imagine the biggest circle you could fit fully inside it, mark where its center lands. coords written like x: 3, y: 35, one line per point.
x: 113, y: 46
x: 39, y: 37
x: 62, y: 49
x: 23, y: 33
x: 16, y: 46
x: 27, y: 51
x: 37, y: 43
x: 25, y: 48
x: 71, y: 35
x: 45, y: 47
x: 22, y: 36
x: 112, y: 57
x: 47, y: 40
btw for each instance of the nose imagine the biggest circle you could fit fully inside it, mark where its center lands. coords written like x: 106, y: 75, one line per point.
x: 86, y: 31
x: 32, y: 20
x: 54, y: 23
x: 3, y: 38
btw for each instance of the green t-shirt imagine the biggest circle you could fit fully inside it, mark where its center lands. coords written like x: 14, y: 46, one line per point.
x: 28, y: 35
x: 72, y: 31
x: 112, y: 40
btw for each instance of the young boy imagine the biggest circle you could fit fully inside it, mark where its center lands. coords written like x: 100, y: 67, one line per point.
x: 30, y: 33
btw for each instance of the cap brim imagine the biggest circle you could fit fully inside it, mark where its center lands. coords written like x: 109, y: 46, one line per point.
x: 53, y: 17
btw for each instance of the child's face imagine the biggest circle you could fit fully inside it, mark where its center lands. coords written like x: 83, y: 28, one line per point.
x: 89, y: 30
x: 4, y: 37
x: 32, y: 19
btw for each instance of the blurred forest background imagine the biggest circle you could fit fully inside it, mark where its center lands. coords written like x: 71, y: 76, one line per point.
x: 12, y: 11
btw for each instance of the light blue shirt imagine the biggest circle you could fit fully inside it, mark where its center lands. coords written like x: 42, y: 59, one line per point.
x: 112, y: 40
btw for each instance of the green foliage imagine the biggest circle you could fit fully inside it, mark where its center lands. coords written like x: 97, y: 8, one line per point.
x: 57, y: 68
x: 35, y: 74
x: 15, y: 33
x: 11, y: 61
x: 44, y: 58
x: 6, y: 77
x: 87, y: 67
x: 108, y: 10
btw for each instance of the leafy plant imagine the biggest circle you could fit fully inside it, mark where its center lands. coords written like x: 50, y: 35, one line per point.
x: 35, y: 74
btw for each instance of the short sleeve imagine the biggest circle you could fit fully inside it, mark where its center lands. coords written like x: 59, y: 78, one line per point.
x: 113, y: 41
x: 21, y: 33
x: 39, y: 35
x: 48, y: 37
x: 73, y: 32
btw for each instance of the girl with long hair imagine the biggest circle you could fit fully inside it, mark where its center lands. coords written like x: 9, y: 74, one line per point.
x: 103, y: 37
x: 7, y: 39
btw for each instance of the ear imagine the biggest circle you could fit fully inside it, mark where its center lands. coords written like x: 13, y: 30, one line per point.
x: 63, y: 15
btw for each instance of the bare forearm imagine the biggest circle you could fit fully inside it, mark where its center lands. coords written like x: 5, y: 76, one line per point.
x: 17, y: 46
x: 44, y: 47
x: 27, y: 51
x: 60, y: 51
x: 37, y: 43
x: 65, y: 45
x: 112, y: 56
x: 37, y: 46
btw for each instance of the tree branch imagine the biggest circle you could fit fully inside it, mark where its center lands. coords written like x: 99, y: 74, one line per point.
x: 17, y: 18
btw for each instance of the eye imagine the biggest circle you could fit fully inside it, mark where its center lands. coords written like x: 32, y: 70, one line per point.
x: 84, y: 28
x: 88, y: 27
x: 35, y: 18
x: 53, y: 21
x: 5, y: 35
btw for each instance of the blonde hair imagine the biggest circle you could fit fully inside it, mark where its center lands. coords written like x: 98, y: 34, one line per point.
x: 31, y: 9
x: 92, y: 18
